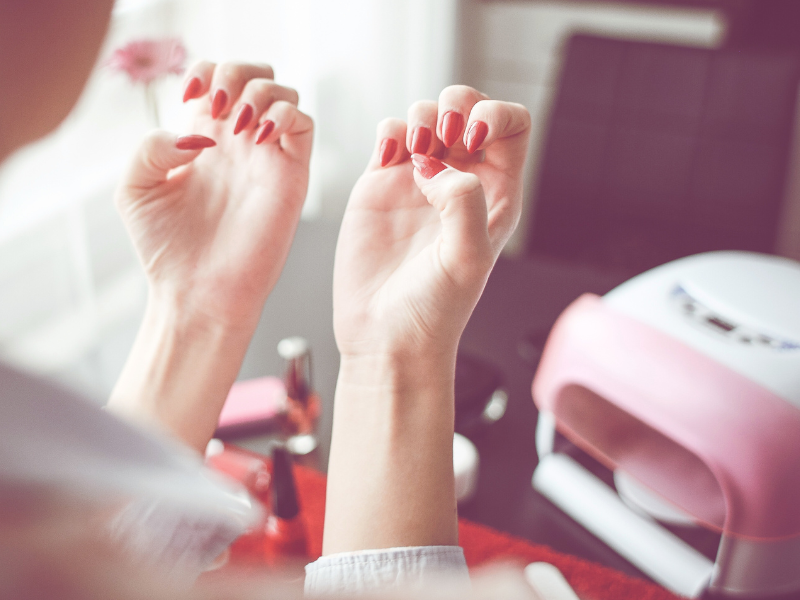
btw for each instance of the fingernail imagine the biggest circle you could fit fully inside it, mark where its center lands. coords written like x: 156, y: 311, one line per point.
x: 476, y: 134
x: 420, y: 140
x: 192, y: 87
x: 265, y: 130
x: 245, y: 114
x: 388, y: 148
x: 218, y: 102
x: 428, y: 166
x: 194, y: 142
x: 451, y: 127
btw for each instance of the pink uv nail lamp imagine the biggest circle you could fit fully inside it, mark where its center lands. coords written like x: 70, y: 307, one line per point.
x: 685, y: 381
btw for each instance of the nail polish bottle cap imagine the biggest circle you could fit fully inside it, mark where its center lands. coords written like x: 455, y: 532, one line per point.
x: 283, y: 490
x: 292, y: 347
x: 297, y: 370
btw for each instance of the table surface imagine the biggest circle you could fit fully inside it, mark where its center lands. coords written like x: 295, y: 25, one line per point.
x: 522, y: 299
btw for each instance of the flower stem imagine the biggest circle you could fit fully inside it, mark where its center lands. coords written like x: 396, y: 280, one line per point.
x: 152, y: 104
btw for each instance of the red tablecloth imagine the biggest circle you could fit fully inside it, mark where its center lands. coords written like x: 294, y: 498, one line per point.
x: 483, y: 544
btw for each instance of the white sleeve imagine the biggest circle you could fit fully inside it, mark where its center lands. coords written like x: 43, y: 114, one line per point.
x: 370, y: 570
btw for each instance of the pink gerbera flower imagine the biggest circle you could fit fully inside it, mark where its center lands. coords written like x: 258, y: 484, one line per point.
x: 147, y: 60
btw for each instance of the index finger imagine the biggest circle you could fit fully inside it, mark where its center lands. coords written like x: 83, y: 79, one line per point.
x: 502, y: 128
x: 198, y: 80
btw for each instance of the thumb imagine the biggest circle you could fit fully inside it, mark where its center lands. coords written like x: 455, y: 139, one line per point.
x: 159, y: 153
x: 459, y: 198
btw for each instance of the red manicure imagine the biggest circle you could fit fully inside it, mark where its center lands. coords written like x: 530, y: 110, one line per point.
x: 218, y: 102
x: 428, y: 166
x: 194, y: 142
x: 245, y: 115
x: 265, y: 130
x: 388, y: 148
x: 192, y: 87
x: 420, y: 140
x: 476, y: 134
x: 451, y: 127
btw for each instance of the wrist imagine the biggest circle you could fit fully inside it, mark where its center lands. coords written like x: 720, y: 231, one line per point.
x: 179, y: 371
x: 205, y: 308
x: 393, y: 374
x: 390, y: 474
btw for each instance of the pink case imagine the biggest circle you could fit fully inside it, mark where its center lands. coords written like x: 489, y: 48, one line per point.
x: 251, y: 405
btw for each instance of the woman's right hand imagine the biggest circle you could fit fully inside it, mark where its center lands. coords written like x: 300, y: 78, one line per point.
x: 212, y: 217
x: 213, y: 225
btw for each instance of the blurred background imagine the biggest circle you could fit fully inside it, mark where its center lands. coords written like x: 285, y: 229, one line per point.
x: 661, y: 128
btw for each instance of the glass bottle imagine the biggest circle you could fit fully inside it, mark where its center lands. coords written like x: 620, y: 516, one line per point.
x: 302, y: 403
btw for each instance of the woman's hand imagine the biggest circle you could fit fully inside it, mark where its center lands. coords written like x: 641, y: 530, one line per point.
x: 417, y: 243
x: 213, y: 226
x: 212, y: 216
x: 415, y: 247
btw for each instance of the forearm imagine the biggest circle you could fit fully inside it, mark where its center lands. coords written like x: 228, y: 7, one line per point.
x: 390, y: 474
x: 179, y: 371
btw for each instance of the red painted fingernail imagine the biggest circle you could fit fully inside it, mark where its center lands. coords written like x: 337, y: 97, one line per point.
x: 451, y: 127
x: 476, y: 134
x: 265, y: 130
x: 420, y: 140
x: 194, y: 142
x: 218, y: 102
x: 388, y: 148
x: 428, y: 166
x: 245, y: 115
x: 191, y: 89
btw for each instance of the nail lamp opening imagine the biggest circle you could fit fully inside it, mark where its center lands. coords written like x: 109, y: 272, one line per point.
x: 686, y: 381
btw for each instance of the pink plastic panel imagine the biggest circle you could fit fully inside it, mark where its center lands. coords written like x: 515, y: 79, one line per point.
x: 704, y: 437
x: 253, y: 401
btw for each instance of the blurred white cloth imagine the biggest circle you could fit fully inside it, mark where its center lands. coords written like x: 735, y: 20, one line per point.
x: 175, y: 513
x: 371, y: 570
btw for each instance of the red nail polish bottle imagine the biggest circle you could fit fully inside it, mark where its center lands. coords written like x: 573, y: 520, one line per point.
x: 285, y: 534
x: 302, y: 403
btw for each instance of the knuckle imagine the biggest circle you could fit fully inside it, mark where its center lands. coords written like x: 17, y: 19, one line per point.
x: 282, y: 106
x: 152, y: 140
x: 229, y: 71
x: 267, y: 69
x: 459, y: 93
x: 422, y: 106
x: 268, y: 90
x: 261, y: 87
x: 389, y: 124
x: 202, y: 66
x: 481, y: 109
x: 463, y: 184
x: 458, y: 89
x: 525, y: 114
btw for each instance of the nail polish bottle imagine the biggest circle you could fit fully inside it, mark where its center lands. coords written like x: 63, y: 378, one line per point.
x: 285, y: 533
x: 302, y: 403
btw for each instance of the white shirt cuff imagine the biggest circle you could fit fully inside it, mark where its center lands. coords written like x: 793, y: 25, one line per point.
x: 369, y: 570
